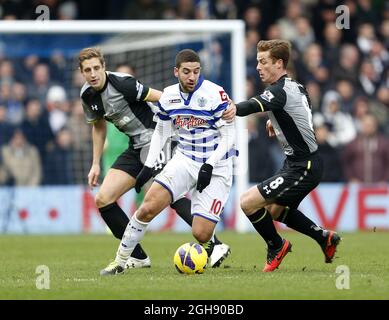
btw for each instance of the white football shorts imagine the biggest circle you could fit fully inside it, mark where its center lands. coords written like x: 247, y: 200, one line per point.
x: 180, y: 177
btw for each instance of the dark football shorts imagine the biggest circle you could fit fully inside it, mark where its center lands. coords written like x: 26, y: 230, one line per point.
x: 290, y: 185
x: 131, y: 160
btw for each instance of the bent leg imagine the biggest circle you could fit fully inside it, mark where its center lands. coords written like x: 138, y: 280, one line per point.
x: 254, y: 205
x: 251, y: 201
x: 156, y: 199
x: 115, y: 184
x: 202, y: 229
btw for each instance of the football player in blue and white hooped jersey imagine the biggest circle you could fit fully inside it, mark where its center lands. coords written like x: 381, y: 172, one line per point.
x: 121, y: 99
x: 202, y: 165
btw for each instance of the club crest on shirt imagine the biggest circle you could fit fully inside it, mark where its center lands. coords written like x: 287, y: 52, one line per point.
x: 267, y: 95
x: 202, y: 102
x: 188, y: 123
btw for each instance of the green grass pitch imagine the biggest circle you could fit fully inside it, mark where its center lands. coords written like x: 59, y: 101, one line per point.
x: 74, y: 263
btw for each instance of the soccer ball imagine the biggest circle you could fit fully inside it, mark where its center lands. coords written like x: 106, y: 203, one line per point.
x: 190, y: 258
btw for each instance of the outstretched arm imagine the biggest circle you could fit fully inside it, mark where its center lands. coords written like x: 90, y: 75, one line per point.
x: 241, y: 109
x: 153, y: 95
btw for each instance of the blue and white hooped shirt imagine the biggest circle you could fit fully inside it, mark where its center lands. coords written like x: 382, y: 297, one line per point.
x: 196, y: 118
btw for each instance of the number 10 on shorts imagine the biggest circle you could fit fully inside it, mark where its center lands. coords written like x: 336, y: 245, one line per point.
x: 216, y: 207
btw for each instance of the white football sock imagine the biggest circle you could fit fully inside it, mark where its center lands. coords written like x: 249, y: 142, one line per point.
x: 132, y: 236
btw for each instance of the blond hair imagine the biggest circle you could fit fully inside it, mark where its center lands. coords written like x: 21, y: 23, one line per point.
x: 89, y: 53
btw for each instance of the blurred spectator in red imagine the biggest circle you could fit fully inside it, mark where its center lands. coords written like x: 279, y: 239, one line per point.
x: 366, y: 158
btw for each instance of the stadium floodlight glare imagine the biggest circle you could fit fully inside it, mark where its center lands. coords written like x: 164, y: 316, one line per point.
x: 134, y: 36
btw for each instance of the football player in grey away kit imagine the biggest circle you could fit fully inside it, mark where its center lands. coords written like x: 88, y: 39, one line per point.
x: 122, y: 100
x: 290, y: 120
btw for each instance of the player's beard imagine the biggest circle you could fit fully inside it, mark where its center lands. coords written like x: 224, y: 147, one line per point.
x: 185, y: 88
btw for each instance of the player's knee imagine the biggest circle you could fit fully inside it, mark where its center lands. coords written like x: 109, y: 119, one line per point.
x: 146, y: 212
x: 245, y: 204
x: 103, y: 200
x: 275, y: 211
x: 201, y: 235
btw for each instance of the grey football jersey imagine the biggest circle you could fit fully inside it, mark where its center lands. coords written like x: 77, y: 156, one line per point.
x: 121, y: 101
x: 290, y: 112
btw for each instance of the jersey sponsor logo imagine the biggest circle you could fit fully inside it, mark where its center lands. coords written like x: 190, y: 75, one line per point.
x: 223, y: 96
x: 174, y: 100
x: 192, y: 122
x: 94, y: 107
x: 267, y: 95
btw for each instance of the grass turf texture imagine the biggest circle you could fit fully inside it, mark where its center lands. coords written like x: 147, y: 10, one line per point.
x: 74, y: 263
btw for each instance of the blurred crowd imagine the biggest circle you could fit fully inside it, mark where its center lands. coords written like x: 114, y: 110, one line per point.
x: 44, y: 138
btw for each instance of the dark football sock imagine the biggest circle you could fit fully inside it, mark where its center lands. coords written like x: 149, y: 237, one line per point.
x: 183, y: 209
x: 117, y: 221
x: 208, y: 246
x: 298, y: 221
x: 263, y: 223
